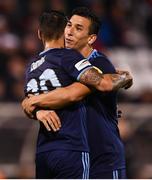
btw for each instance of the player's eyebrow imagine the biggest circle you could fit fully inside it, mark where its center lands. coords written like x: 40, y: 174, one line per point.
x: 79, y: 25
x: 69, y: 22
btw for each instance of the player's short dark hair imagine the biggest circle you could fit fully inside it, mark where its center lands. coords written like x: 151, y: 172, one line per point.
x: 52, y: 24
x: 87, y: 13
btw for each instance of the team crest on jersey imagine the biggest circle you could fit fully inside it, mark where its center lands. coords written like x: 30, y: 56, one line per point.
x: 82, y: 64
x: 38, y: 63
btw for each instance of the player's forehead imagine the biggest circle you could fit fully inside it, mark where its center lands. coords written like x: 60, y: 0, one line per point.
x: 79, y: 20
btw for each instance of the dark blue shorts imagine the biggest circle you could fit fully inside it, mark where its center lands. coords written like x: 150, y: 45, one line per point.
x: 111, y: 174
x: 60, y: 164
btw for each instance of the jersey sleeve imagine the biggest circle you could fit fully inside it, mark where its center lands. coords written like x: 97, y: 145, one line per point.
x: 75, y: 64
x: 103, y: 64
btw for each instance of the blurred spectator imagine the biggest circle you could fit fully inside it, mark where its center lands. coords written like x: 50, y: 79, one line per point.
x: 59, y: 5
x: 30, y: 45
x: 3, y: 175
x: 120, y: 28
x: 138, y: 151
x: 35, y: 7
x: 16, y: 67
x: 112, y: 30
x: 145, y: 96
x: 15, y: 77
x: 3, y: 61
x: 9, y: 42
x: 148, y: 28
x: 126, y: 31
x: 2, y: 90
x: 8, y: 7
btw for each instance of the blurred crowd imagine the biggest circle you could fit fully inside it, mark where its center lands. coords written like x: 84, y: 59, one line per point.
x: 125, y: 23
x: 126, y: 29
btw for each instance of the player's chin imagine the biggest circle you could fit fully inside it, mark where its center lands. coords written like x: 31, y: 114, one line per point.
x: 69, y: 45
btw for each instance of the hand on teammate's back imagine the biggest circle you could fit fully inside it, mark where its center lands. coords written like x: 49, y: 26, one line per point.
x: 129, y: 78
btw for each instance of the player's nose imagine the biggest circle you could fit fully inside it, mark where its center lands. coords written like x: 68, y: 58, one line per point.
x: 70, y: 31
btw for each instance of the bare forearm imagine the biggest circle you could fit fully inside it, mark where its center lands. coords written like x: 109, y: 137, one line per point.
x: 61, y: 97
x: 103, y: 82
x: 53, y: 100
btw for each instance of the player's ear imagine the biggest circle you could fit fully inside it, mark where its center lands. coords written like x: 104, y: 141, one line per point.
x: 39, y: 34
x: 92, y: 39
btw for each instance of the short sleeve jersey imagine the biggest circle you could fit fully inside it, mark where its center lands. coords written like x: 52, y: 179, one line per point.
x: 52, y: 69
x: 104, y: 138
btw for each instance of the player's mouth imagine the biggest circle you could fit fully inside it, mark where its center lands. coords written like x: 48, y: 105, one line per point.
x: 68, y: 41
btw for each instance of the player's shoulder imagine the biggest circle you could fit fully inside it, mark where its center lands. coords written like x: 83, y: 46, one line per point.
x: 101, y: 60
x: 100, y: 56
x: 52, y: 56
x: 69, y: 51
x: 63, y: 53
x: 71, y: 55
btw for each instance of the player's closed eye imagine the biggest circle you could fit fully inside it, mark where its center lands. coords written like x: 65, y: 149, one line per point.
x: 79, y: 29
x: 69, y: 25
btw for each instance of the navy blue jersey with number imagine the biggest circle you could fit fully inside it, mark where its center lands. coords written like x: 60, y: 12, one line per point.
x: 52, y: 69
x: 104, y: 139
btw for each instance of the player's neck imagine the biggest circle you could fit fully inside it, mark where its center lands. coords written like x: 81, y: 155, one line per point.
x: 54, y: 44
x: 86, y: 51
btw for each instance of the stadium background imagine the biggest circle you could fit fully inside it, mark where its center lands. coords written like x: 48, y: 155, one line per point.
x: 125, y: 36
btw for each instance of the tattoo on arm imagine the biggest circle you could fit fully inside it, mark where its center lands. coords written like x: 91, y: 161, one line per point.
x: 118, y: 81
x: 103, y: 82
x: 91, y: 77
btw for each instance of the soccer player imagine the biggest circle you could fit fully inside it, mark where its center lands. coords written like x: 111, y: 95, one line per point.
x: 107, y: 157
x: 56, y: 67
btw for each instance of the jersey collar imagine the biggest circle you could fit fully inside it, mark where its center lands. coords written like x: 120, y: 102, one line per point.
x: 43, y: 52
x: 90, y: 56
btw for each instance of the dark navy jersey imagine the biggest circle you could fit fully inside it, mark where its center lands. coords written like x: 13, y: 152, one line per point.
x: 58, y: 68
x: 104, y: 138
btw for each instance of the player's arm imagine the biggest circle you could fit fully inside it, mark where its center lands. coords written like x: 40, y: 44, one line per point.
x: 106, y: 82
x: 53, y: 100
x: 61, y: 97
x: 57, y: 98
x: 49, y: 118
x: 64, y: 96
x: 82, y: 70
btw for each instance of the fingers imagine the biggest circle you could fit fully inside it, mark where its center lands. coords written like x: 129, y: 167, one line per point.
x: 46, y: 125
x: 129, y: 84
x: 128, y: 80
x: 29, y: 115
x: 50, y: 120
x: 52, y: 124
x: 122, y: 72
x: 27, y: 107
x: 118, y: 71
x: 30, y: 95
x: 55, y: 119
x: 24, y: 106
x: 30, y: 109
x: 24, y: 103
